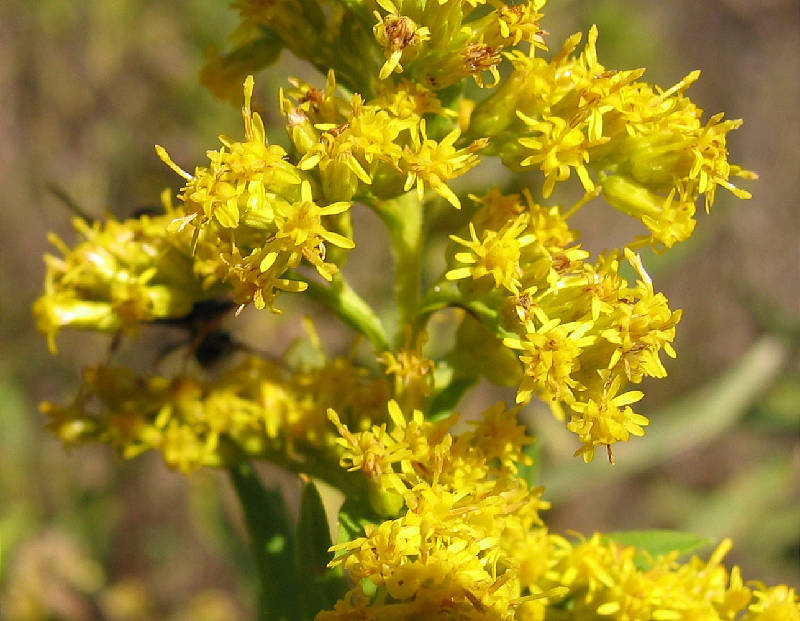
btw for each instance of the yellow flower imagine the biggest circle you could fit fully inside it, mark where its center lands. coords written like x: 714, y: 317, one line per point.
x: 450, y: 552
x: 498, y: 435
x: 408, y: 99
x: 240, y: 180
x: 398, y: 35
x: 604, y: 580
x: 647, y: 148
x: 301, y: 232
x: 778, y: 603
x: 120, y: 275
x: 545, y: 245
x: 477, y: 58
x: 497, y: 254
x: 306, y: 102
x: 514, y: 23
x: 413, y: 373
x: 606, y: 418
x: 356, y: 148
x: 432, y: 163
x: 264, y: 409
x: 255, y: 216
x: 558, y: 148
x: 639, y: 327
x: 550, y: 354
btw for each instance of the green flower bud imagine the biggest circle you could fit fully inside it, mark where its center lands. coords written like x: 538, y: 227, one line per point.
x: 496, y: 113
x: 385, y: 496
x: 339, y: 181
x: 300, y: 130
x: 168, y: 301
x: 53, y: 312
x: 630, y: 197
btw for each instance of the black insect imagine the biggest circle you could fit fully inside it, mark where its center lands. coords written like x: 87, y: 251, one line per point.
x: 206, y: 341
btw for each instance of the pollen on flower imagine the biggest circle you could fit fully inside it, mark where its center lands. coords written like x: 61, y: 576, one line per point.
x: 265, y: 410
x: 466, y: 515
x: 396, y: 33
x: 412, y: 371
x: 479, y: 58
x: 580, y: 330
x: 647, y: 148
x: 606, y: 418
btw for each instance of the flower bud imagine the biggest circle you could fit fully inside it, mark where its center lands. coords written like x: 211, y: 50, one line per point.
x: 631, y: 197
x: 496, y: 113
x: 339, y: 181
x: 299, y: 127
x: 53, y: 312
x: 385, y: 495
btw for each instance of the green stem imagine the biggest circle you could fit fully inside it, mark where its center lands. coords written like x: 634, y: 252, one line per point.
x: 445, y: 293
x: 318, y: 465
x: 272, y: 543
x: 351, y: 308
x: 403, y: 219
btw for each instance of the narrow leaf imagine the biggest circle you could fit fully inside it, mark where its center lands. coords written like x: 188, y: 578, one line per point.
x: 654, y: 543
x: 532, y: 474
x: 321, y: 586
x: 354, y: 514
x: 272, y: 544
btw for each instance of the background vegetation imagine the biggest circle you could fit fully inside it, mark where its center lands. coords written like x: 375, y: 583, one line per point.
x: 87, y: 87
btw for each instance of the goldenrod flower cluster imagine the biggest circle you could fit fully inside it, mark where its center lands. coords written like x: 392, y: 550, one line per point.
x: 433, y: 44
x: 256, y: 408
x: 121, y: 274
x: 581, y: 331
x: 451, y: 529
x: 379, y: 148
x: 648, y: 149
x: 469, y: 542
x: 256, y: 216
x: 464, y: 511
x: 607, y: 580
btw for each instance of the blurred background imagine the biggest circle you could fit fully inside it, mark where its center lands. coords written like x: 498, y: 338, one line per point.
x: 87, y: 87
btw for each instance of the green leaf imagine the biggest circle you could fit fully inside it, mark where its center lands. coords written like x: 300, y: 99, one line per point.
x: 777, y: 409
x: 211, y: 521
x: 763, y: 487
x: 272, y: 544
x: 321, y: 587
x: 654, y: 543
x: 354, y: 514
x: 532, y: 474
x: 446, y: 399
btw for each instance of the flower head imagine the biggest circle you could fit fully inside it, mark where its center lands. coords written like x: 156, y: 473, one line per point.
x: 433, y: 163
x: 497, y: 254
x: 255, y: 216
x: 120, y: 275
